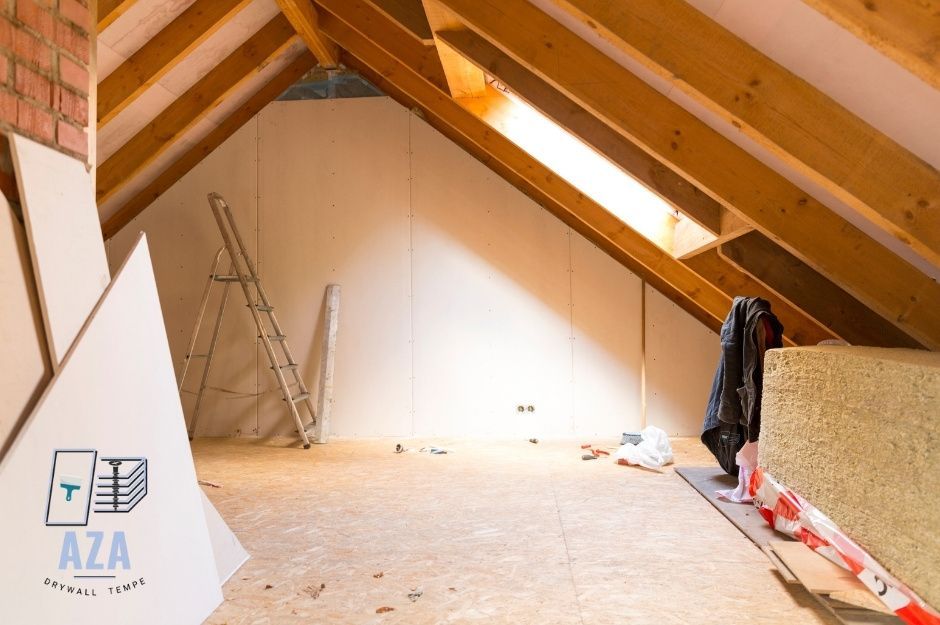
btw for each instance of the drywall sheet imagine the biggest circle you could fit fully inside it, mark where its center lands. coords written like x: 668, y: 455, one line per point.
x: 462, y: 298
x: 107, y: 443
x: 184, y: 239
x: 228, y: 551
x: 25, y: 369
x: 492, y: 323
x: 69, y: 262
x: 333, y: 209
x: 681, y: 358
x: 607, y: 349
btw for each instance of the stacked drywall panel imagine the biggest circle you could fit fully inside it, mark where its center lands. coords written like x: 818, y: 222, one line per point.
x: 115, y: 388
x: 25, y: 368
x: 84, y: 551
x: 462, y: 298
x: 69, y: 261
x: 855, y: 431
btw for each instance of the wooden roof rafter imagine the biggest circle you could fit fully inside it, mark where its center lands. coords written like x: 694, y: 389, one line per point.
x: 883, y: 281
x: 782, y: 112
x: 303, y: 17
x: 904, y: 31
x: 161, y: 53
x: 374, y: 49
x: 246, y: 61
x: 167, y: 178
x: 110, y: 10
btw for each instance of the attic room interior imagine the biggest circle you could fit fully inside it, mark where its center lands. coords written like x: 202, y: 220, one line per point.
x: 470, y: 311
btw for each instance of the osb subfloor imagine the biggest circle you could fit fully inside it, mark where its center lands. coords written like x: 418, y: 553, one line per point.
x: 496, y: 532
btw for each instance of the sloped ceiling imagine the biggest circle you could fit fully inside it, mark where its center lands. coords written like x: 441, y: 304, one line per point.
x: 803, y: 137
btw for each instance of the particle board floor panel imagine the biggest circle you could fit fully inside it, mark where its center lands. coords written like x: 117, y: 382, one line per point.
x: 496, y: 532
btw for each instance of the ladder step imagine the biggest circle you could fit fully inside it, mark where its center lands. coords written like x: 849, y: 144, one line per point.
x: 191, y: 356
x: 219, y: 278
x: 300, y: 397
x: 277, y: 337
x: 290, y: 367
x: 264, y: 308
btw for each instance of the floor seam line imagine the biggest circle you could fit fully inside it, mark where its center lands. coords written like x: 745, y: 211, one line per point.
x: 564, y: 538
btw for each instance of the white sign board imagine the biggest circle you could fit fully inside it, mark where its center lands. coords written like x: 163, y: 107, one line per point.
x: 100, y: 491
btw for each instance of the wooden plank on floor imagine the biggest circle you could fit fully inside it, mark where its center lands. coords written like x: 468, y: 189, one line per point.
x: 818, y: 574
x: 706, y: 480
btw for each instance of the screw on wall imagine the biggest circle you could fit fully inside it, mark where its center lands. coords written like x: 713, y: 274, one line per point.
x: 520, y: 408
x: 531, y: 408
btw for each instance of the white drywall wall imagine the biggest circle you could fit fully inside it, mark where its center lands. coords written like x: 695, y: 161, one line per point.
x: 462, y: 298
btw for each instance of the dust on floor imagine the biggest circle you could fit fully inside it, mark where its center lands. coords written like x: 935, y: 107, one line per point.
x: 495, y: 532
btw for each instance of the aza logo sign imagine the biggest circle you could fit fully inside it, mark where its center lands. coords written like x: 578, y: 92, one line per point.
x: 94, y: 554
x: 81, y: 487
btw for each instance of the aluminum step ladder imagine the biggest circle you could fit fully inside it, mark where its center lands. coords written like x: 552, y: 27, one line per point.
x: 242, y: 270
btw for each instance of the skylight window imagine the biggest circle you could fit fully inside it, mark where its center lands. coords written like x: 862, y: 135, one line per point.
x: 579, y: 164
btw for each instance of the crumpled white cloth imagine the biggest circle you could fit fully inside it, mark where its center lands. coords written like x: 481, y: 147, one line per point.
x: 653, y: 452
x: 746, y: 459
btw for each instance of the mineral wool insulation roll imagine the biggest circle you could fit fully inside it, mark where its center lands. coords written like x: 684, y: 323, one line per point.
x: 856, y: 431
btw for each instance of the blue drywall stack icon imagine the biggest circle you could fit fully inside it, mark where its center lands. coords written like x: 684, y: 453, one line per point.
x: 120, y: 484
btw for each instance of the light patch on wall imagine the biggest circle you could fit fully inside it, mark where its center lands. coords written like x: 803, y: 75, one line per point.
x: 578, y: 163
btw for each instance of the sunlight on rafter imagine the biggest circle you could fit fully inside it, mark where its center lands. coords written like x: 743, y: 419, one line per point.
x: 578, y: 163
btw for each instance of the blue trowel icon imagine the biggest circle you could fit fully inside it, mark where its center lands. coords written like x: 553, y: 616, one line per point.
x: 70, y: 484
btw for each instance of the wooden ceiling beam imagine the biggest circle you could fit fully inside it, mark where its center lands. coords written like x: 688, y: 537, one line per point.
x: 904, y: 31
x: 464, y: 79
x: 410, y: 15
x: 824, y: 300
x: 246, y: 61
x: 652, y: 174
x: 799, y: 326
x: 810, y: 131
x: 162, y: 53
x: 378, y: 49
x: 303, y: 17
x: 110, y: 10
x: 818, y: 236
x: 167, y: 178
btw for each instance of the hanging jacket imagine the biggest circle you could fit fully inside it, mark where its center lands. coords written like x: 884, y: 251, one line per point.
x: 733, y: 413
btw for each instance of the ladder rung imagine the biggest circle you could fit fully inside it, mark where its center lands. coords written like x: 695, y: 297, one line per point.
x: 277, y: 337
x: 191, y: 356
x: 264, y: 308
x: 300, y: 397
x: 289, y: 367
x: 219, y: 278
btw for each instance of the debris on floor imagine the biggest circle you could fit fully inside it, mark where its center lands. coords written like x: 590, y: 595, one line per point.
x: 653, y: 451
x: 314, y: 591
x: 588, y: 457
x: 586, y: 446
x: 415, y: 594
x: 210, y: 484
x: 268, y: 586
x: 633, y: 438
x: 399, y: 448
x: 534, y: 441
x: 435, y: 450
x: 378, y: 575
x: 384, y: 609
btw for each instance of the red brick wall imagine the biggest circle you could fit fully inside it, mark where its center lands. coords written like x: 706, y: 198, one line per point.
x: 44, y: 81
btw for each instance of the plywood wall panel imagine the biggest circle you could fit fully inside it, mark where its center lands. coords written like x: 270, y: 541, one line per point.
x: 607, y: 321
x: 491, y: 307
x: 334, y: 209
x: 184, y: 238
x: 681, y: 358
x: 504, y: 305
